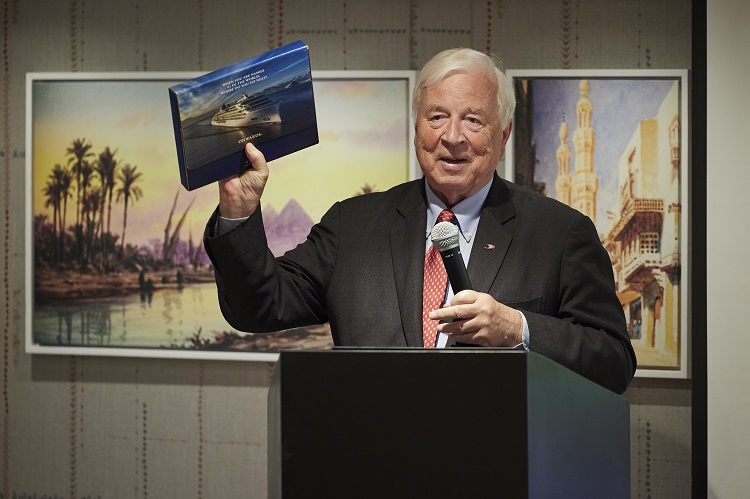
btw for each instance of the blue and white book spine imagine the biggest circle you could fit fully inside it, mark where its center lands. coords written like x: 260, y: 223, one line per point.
x: 266, y: 100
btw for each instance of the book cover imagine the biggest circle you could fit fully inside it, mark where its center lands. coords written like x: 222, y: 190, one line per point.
x: 267, y: 100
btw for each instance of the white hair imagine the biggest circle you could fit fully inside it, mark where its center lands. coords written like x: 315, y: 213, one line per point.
x: 465, y: 60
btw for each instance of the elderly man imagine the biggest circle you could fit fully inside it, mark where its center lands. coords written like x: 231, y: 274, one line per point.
x: 541, y: 279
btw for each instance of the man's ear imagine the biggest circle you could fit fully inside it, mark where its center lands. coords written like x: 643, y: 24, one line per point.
x: 506, y: 132
x: 506, y: 135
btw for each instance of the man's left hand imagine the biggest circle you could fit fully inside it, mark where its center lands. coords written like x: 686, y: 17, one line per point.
x: 478, y: 319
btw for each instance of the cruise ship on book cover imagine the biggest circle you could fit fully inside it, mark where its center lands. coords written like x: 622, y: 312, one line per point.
x: 248, y: 110
x: 267, y: 100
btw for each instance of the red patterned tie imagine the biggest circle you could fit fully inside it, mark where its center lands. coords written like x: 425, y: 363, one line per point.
x: 433, y: 289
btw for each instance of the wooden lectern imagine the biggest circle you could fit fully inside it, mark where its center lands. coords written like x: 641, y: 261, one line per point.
x: 434, y: 423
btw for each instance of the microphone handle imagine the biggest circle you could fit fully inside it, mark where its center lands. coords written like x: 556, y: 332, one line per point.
x: 454, y: 266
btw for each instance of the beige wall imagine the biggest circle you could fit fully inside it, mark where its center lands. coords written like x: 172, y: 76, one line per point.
x: 106, y: 427
x: 728, y: 287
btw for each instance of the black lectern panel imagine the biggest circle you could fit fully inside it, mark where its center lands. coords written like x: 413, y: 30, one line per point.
x: 442, y: 423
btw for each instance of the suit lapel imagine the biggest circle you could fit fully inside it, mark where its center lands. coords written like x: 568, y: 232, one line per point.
x: 407, y: 239
x: 488, y: 252
x: 492, y: 240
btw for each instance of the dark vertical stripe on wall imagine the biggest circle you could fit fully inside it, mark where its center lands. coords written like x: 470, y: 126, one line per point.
x: 74, y: 35
x: 6, y: 251
x: 498, y: 20
x: 643, y: 52
x: 488, y: 43
x: 201, y: 434
x: 200, y: 35
x: 137, y: 30
x: 344, y: 31
x: 413, y: 34
x: 82, y: 43
x: 270, y: 23
x: 275, y: 23
x: 141, y: 443
x: 73, y: 430
x: 141, y: 55
x: 280, y: 39
x: 81, y: 399
x: 639, y: 31
x: 576, y: 36
x: 77, y: 16
x: 699, y: 114
x: 566, y: 33
x: 144, y: 450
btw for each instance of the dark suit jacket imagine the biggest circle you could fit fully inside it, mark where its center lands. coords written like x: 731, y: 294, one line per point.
x: 361, y: 270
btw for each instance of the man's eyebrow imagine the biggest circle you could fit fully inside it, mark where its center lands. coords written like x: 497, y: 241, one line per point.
x: 434, y: 107
x: 468, y: 110
x: 476, y: 110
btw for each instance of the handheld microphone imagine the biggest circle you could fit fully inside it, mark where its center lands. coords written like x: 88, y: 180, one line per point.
x: 444, y: 237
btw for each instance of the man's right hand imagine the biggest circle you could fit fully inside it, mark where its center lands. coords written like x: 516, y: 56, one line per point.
x: 239, y: 195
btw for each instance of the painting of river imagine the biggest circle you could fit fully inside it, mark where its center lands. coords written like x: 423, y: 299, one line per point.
x: 115, y: 260
x: 175, y: 317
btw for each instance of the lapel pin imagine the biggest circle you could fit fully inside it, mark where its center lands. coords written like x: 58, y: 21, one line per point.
x: 489, y: 247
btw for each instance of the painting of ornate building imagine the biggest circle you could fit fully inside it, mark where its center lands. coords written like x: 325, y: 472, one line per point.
x: 644, y: 242
x: 619, y: 163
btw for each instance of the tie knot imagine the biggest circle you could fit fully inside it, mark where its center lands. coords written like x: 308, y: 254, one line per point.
x: 445, y: 216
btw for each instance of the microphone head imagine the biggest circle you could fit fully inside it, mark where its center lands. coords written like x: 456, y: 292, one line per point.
x: 444, y: 236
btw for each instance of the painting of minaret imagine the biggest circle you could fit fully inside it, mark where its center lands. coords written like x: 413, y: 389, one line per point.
x: 585, y: 182
x: 620, y: 162
x: 562, y: 184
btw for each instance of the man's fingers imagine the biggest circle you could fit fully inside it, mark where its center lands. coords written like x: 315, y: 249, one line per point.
x: 450, y: 312
x: 465, y: 296
x: 255, y: 157
x: 458, y: 308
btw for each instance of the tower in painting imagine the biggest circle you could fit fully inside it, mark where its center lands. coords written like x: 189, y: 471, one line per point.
x: 562, y: 183
x: 585, y: 184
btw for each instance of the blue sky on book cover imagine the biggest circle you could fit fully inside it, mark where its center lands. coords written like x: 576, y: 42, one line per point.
x: 208, y: 92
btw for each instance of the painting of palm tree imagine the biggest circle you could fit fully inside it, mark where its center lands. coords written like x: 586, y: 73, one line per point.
x: 127, y: 192
x: 117, y: 261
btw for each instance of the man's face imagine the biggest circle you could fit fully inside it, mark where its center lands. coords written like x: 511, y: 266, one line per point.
x: 458, y: 136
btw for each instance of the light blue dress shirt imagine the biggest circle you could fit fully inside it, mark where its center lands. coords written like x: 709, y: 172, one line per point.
x: 467, y: 215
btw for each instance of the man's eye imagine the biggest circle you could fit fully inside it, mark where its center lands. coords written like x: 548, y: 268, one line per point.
x: 474, y: 124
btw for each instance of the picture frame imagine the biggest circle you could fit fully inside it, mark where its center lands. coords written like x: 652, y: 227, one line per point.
x: 614, y: 145
x: 114, y: 260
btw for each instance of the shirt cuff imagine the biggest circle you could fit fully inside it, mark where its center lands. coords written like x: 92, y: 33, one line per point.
x: 224, y: 225
x: 525, y: 335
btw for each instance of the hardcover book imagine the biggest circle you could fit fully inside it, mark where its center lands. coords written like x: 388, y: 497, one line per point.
x: 267, y: 100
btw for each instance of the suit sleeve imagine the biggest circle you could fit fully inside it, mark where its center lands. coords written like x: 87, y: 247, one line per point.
x: 260, y: 293
x: 589, y: 333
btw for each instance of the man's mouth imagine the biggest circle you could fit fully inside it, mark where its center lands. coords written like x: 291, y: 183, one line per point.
x: 454, y: 161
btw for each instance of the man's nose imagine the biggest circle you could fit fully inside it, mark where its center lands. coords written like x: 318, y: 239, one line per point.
x: 454, y: 133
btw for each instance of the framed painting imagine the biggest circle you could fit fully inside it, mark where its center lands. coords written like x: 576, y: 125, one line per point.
x: 613, y: 145
x: 115, y: 264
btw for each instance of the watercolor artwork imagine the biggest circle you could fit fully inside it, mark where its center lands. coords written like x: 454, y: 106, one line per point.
x: 115, y: 263
x: 613, y: 145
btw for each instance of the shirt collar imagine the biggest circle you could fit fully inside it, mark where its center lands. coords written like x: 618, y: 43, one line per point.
x: 466, y: 212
